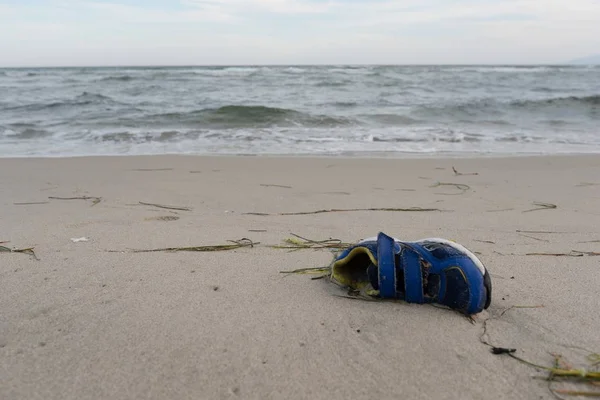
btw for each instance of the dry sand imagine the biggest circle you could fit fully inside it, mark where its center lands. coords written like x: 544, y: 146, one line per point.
x: 85, y: 323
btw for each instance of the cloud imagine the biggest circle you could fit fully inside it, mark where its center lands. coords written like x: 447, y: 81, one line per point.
x: 141, y: 15
x: 293, y: 31
x: 270, y: 6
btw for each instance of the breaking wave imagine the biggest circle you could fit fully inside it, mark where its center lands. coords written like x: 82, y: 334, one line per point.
x: 231, y: 116
x: 119, y: 78
x: 570, y: 101
x: 84, y: 99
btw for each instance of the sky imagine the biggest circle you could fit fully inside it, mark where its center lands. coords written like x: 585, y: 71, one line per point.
x: 233, y: 32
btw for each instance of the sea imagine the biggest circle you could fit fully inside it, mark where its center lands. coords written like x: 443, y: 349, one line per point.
x: 391, y: 111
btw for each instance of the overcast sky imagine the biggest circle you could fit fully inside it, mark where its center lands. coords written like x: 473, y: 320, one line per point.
x: 193, y: 32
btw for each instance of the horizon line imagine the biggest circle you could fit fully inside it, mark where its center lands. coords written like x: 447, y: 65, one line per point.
x: 567, y: 64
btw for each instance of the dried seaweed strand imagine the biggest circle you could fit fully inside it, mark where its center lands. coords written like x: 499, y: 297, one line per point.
x: 298, y: 242
x: 522, y: 231
x: 296, y: 245
x: 484, y: 241
x: 152, y: 169
x: 307, y: 271
x: 461, y: 174
x: 577, y: 393
x: 315, y: 241
x: 31, y: 203
x: 166, y: 207
x: 537, y: 306
x: 460, y: 186
x: 95, y: 200
x: 411, y: 209
x: 573, y: 253
x: 236, y: 244
x: 28, y: 251
x: 513, y: 307
x: 588, y: 184
x: 340, y: 193
x: 559, y: 372
x: 534, y: 238
x: 163, y: 218
x: 560, y: 362
x: 542, y: 206
x: 273, y: 185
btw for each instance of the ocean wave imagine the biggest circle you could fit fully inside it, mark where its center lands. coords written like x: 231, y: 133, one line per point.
x: 397, y: 139
x: 147, y: 137
x: 235, y: 114
x: 494, y: 110
x: 84, y: 99
x: 388, y: 82
x: 243, y: 69
x: 542, y: 89
x: 232, y: 116
x: 427, y: 135
x: 503, y: 69
x: 345, y: 104
x: 561, y: 101
x: 517, y: 138
x: 27, y: 133
x: 351, y: 70
x: 333, y: 83
x: 117, y: 78
x: 295, y: 70
x: 229, y: 71
x: 391, y: 119
x: 88, y: 96
x: 541, y: 140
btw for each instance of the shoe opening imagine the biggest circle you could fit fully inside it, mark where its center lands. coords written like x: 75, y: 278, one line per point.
x: 352, y: 269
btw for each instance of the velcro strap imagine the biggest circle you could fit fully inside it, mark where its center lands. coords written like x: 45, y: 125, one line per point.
x: 413, y: 278
x: 386, y: 265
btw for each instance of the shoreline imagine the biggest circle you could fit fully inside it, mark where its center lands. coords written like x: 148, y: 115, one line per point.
x: 357, y: 156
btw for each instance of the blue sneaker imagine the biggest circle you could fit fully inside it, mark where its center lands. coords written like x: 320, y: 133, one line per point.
x: 426, y: 271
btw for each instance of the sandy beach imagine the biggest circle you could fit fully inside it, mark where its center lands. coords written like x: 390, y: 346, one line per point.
x: 94, y: 320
